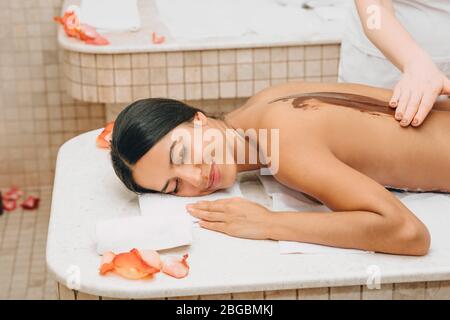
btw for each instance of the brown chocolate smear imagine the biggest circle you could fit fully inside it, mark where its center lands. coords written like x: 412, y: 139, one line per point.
x: 349, y: 100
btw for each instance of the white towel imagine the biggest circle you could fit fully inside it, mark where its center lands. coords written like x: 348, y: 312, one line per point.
x: 431, y: 208
x: 161, y: 206
x: 111, y: 15
x: 142, y: 232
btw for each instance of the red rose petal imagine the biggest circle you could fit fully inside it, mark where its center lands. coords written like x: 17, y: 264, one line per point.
x: 176, y: 267
x: 157, y: 39
x: 30, y: 203
x: 9, y: 205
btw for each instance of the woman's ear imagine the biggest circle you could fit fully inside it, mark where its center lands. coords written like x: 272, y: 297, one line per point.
x: 200, y: 118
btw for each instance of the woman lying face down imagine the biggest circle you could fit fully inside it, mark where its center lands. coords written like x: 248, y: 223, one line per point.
x: 338, y: 143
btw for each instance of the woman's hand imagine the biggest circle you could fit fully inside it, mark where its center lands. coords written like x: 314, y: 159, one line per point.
x: 416, y: 92
x: 236, y: 217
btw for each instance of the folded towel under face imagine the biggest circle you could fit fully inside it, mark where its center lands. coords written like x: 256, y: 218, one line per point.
x: 163, y: 205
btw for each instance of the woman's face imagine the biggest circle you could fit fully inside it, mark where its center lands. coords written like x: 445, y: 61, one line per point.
x: 179, y: 163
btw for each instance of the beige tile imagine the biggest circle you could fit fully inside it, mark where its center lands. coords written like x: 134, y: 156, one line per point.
x: 192, y: 74
x: 210, y: 57
x: 296, y: 69
x: 331, y: 51
x: 140, y: 92
x: 87, y: 60
x: 175, y: 75
x: 330, y: 67
x: 313, y: 68
x: 122, y: 77
x: 74, y: 58
x: 278, y: 54
x: 228, y: 89
x: 296, y: 53
x: 262, y: 71
x: 139, y: 60
x: 278, y: 70
x: 157, y: 59
x: 259, y: 85
x: 123, y: 94
x: 106, y: 94
x: 122, y: 61
x: 313, y: 52
x: 193, y: 91
x: 210, y: 73
x: 227, y: 56
x: 244, y: 56
x: 140, y: 77
x: 244, y: 71
x: 89, y: 76
x: 158, y: 75
x: 244, y: 89
x: 210, y: 90
x: 192, y: 58
x: 90, y: 93
x: 158, y: 91
x: 176, y: 91
x: 105, y: 61
x: 227, y: 72
x: 105, y: 77
x: 175, y: 59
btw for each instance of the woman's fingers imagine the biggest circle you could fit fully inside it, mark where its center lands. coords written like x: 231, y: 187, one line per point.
x: 215, y: 226
x: 393, y: 103
x: 411, y: 109
x: 425, y: 107
x: 206, y: 215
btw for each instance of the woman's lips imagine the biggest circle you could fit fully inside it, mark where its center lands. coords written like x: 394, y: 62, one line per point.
x: 214, y: 177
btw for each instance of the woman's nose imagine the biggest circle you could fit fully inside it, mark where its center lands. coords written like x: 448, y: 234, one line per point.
x: 192, y: 175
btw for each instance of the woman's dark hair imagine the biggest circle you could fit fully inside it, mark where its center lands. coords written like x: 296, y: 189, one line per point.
x: 138, y: 128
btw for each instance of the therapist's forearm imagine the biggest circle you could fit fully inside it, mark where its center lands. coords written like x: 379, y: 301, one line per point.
x: 351, y: 229
x: 392, y: 39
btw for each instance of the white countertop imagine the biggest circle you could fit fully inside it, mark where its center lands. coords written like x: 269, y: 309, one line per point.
x: 86, y: 191
x: 312, y: 29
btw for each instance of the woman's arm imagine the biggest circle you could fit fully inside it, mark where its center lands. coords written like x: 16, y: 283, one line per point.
x: 422, y: 82
x: 365, y: 215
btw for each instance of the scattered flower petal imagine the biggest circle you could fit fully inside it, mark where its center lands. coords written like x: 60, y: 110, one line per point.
x: 157, y: 39
x: 30, y: 203
x: 176, y: 267
x: 9, y: 205
x: 84, y: 32
x: 104, y: 138
x: 14, y: 193
x: 106, y: 263
x: 151, y: 257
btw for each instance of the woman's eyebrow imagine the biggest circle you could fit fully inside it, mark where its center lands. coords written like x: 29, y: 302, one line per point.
x: 163, y: 190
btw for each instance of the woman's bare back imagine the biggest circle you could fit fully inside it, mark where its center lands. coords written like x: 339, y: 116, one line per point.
x: 363, y: 137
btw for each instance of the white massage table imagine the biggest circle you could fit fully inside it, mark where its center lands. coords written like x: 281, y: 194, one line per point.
x: 86, y: 191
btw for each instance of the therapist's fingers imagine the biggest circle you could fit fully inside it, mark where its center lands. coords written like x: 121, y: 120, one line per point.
x: 393, y: 103
x: 402, y: 104
x: 207, y: 215
x: 411, y: 109
x: 425, y: 107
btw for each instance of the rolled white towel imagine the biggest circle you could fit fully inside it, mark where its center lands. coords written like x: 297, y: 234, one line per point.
x: 143, y: 232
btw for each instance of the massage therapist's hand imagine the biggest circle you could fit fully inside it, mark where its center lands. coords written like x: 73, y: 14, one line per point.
x: 416, y: 92
x: 236, y: 217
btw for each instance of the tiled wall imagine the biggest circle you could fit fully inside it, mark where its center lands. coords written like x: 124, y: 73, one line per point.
x: 36, y: 116
x: 194, y: 75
